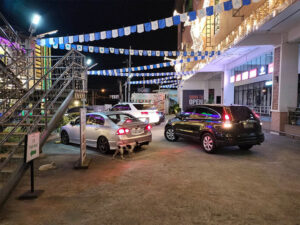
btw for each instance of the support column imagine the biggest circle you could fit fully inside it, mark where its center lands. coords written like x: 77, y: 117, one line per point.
x: 285, y: 84
x: 228, y: 89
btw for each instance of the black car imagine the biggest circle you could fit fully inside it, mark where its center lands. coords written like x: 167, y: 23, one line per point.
x: 217, y: 125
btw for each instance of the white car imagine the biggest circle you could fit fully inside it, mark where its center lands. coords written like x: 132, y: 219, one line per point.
x: 109, y: 131
x: 145, y: 112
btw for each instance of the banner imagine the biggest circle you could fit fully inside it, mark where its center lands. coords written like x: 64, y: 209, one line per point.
x: 146, y: 27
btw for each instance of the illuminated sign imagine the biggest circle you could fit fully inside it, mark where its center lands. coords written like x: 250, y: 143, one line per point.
x: 238, y: 77
x: 253, y: 73
x: 269, y: 83
x: 262, y: 70
x: 245, y: 75
x: 271, y: 68
x: 232, y: 79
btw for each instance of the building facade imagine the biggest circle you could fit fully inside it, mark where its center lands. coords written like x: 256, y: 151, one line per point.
x: 259, y: 59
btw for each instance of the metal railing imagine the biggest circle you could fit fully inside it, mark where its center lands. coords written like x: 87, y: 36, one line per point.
x: 261, y: 110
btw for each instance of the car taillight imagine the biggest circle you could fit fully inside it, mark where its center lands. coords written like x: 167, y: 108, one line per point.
x: 144, y: 113
x: 255, y: 114
x: 122, y: 131
x: 157, y: 112
x: 148, y: 127
x: 227, y: 120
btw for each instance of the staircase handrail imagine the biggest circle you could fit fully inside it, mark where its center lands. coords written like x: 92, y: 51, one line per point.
x: 31, y: 90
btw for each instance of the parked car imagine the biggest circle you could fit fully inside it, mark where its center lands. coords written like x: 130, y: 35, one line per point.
x: 145, y: 112
x: 217, y: 125
x: 108, y: 131
x: 161, y: 117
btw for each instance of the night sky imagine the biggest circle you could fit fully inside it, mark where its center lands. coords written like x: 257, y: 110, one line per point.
x: 72, y: 17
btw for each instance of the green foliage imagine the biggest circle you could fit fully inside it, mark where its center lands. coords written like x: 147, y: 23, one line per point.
x: 174, y: 109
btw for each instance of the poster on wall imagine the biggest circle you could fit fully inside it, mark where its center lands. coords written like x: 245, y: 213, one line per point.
x: 157, y: 99
x: 192, y: 97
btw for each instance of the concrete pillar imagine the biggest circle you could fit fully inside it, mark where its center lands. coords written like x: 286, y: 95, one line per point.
x: 285, y: 84
x: 228, y: 89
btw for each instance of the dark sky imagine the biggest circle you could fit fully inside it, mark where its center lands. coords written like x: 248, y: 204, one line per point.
x: 85, y: 16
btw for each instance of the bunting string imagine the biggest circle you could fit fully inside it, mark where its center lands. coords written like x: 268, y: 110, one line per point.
x: 95, y: 72
x: 168, y: 86
x: 134, y: 52
x: 113, y: 72
x: 146, y: 27
x: 155, y: 81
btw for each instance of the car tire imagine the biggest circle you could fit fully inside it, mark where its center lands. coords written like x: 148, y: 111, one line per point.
x: 64, y: 137
x: 170, y: 134
x: 208, y: 143
x: 103, y: 145
x: 245, y: 147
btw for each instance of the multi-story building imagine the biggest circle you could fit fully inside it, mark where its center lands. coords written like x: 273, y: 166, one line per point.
x: 259, y: 61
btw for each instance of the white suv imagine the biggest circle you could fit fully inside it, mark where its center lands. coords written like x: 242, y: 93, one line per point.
x: 144, y: 112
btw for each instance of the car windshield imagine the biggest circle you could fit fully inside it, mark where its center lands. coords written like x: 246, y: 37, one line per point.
x: 144, y: 106
x: 122, y: 118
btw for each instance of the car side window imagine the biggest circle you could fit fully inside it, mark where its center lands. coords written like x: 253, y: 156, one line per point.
x: 77, y: 121
x: 188, y: 112
x: 125, y: 107
x: 95, y: 120
x: 115, y: 108
x: 206, y: 113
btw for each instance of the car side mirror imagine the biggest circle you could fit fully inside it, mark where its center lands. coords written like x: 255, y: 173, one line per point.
x: 179, y: 116
x: 72, y: 123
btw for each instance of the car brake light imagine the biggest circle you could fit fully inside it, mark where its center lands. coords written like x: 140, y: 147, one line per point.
x: 122, y: 131
x: 148, y: 127
x: 227, y: 120
x: 255, y: 114
x: 144, y: 113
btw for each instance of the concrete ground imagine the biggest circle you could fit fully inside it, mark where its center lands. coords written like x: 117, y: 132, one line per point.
x: 165, y: 183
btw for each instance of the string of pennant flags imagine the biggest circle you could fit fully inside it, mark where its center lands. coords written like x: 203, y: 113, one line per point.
x: 134, y: 52
x: 146, y: 27
x: 156, y: 81
x: 95, y: 72
x: 118, y: 72
x: 168, y: 86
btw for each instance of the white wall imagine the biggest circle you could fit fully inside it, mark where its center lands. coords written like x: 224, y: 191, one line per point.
x: 201, y: 81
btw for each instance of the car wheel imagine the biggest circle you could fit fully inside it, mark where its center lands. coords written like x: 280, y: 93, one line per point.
x: 208, y: 143
x: 170, y: 134
x: 245, y: 147
x: 102, y: 144
x: 64, y: 138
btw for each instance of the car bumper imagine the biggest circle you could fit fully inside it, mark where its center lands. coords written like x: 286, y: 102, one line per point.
x: 136, y: 141
x: 249, y: 139
x: 150, y: 119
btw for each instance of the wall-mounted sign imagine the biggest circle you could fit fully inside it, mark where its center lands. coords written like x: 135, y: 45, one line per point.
x: 232, y: 79
x: 32, y: 146
x: 262, y: 70
x: 192, y: 97
x: 238, y: 77
x: 271, y: 68
x: 245, y: 75
x: 269, y: 83
x: 253, y: 73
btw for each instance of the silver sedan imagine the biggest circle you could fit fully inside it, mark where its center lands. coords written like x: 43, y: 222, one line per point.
x: 109, y: 131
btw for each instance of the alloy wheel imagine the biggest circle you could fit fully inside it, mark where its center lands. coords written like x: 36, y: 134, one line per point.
x: 208, y: 143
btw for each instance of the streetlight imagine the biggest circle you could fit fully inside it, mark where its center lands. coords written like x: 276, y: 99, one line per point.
x: 88, y: 62
x: 102, y: 90
x: 36, y: 18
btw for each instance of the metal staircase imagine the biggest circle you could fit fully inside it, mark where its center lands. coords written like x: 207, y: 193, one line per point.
x: 29, y: 104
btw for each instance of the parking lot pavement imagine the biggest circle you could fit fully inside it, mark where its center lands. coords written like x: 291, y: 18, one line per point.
x: 165, y: 183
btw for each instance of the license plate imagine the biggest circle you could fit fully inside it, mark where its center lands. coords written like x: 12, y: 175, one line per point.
x: 136, y: 131
x: 248, y: 125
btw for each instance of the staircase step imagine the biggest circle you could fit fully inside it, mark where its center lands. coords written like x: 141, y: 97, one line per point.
x: 11, y: 144
x: 22, y: 124
x: 15, y: 133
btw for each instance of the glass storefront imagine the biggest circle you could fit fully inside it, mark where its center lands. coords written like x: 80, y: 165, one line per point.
x: 254, y: 94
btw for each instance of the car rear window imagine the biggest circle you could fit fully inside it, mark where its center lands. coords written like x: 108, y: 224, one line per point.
x: 122, y: 118
x: 144, y: 106
x: 241, y: 113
